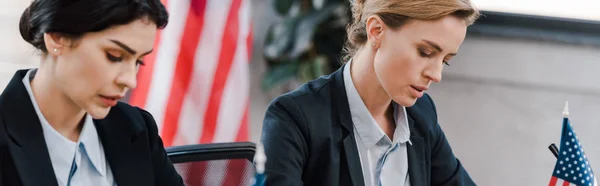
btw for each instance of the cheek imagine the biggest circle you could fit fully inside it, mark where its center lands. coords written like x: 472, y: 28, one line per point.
x: 81, y: 76
x: 396, y: 68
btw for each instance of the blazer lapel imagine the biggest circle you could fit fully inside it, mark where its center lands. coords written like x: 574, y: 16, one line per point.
x: 28, y: 148
x: 348, y: 140
x: 416, y: 156
x: 126, y: 148
x: 354, y: 167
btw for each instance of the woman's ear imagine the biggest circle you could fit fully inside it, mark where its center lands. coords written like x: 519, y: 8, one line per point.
x: 55, y: 42
x: 374, y: 28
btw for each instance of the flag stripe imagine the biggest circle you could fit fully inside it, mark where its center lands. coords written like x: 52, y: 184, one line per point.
x: 183, y: 69
x: 196, y: 101
x: 553, y: 181
x: 243, y: 132
x: 231, y: 108
x: 249, y: 38
x: 164, y: 65
x: 144, y: 76
x: 222, y: 72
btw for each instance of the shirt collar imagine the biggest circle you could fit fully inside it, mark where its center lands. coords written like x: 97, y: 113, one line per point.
x: 366, y: 126
x: 88, y: 137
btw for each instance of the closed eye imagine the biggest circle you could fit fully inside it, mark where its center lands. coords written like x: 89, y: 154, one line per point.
x: 114, y: 58
x: 140, y: 62
x: 446, y: 62
x: 424, y: 54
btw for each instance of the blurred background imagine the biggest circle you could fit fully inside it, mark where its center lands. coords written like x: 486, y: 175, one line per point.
x: 219, y: 63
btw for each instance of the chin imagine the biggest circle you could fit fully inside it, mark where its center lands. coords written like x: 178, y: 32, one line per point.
x: 98, y: 112
x: 406, y: 101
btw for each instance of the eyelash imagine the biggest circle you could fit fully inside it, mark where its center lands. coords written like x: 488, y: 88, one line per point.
x: 119, y: 59
x: 423, y: 54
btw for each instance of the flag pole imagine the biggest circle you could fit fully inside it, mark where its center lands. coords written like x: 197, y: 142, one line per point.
x: 552, y: 146
x: 566, y: 110
x: 553, y: 149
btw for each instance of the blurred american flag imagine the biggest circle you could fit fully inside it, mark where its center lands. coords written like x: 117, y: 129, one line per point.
x: 196, y: 82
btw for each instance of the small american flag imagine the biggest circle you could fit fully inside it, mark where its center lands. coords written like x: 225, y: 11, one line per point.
x: 572, y: 166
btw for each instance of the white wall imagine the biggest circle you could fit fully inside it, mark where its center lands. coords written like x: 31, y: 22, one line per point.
x: 15, y: 53
x: 501, y: 103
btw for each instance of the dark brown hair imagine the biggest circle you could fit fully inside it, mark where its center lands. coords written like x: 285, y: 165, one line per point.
x: 73, y: 18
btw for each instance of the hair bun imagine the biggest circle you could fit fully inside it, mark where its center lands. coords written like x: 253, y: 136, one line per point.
x: 25, y: 27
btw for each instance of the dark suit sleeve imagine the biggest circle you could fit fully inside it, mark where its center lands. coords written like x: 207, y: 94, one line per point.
x: 285, y: 145
x: 446, y: 169
x: 164, y: 172
x: 2, y: 156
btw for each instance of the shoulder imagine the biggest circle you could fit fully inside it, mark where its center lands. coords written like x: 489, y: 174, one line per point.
x: 309, y: 104
x: 137, y: 118
x: 135, y: 121
x: 314, y: 93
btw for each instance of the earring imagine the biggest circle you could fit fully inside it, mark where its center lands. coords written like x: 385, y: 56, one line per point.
x: 373, y: 43
x: 55, y: 50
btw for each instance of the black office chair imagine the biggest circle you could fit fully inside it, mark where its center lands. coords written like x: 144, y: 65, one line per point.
x: 216, y: 164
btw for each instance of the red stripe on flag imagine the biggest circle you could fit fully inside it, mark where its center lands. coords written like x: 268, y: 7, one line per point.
x: 249, y: 40
x: 183, y: 69
x: 228, y: 47
x: 144, y: 76
x: 566, y: 183
x: 243, y: 131
x: 553, y: 181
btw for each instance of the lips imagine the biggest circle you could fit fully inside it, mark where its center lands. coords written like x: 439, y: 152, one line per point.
x: 110, y: 101
x: 418, y: 91
x: 419, y: 88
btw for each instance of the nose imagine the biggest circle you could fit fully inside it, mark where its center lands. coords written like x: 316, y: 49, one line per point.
x: 434, y: 72
x: 128, y: 77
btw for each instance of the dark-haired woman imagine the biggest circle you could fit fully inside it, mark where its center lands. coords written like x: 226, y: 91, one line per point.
x: 61, y: 124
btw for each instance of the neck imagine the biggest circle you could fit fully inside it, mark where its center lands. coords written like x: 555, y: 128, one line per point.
x: 60, y: 111
x: 365, y: 80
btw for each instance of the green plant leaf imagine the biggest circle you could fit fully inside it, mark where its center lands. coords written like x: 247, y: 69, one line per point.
x: 279, y: 40
x: 320, y: 66
x: 305, y: 71
x: 283, y: 6
x: 278, y: 74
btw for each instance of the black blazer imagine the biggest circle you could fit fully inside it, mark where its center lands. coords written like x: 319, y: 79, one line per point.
x: 309, y: 140
x: 129, y: 136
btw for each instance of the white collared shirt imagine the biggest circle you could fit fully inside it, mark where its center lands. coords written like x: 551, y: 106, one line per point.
x: 80, y: 163
x: 384, y: 162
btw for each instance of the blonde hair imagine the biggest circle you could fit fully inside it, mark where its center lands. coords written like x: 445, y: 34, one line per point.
x: 394, y: 13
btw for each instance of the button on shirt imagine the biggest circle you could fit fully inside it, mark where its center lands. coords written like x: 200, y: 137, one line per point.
x: 74, y: 163
x: 384, y: 162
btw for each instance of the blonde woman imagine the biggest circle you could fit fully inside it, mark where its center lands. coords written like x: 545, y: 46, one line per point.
x: 371, y: 122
